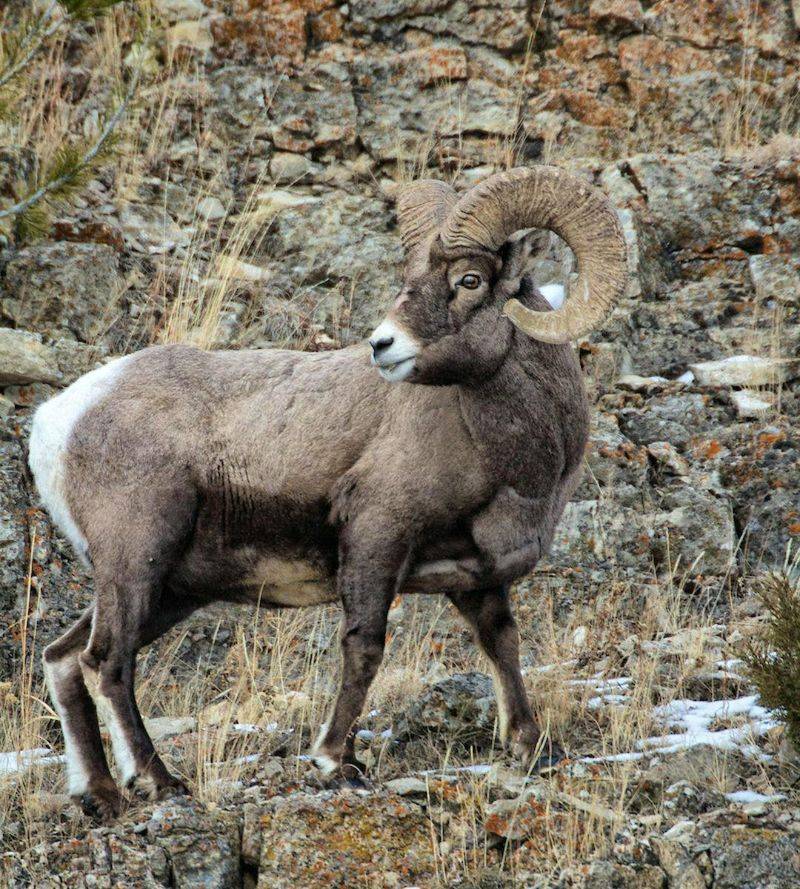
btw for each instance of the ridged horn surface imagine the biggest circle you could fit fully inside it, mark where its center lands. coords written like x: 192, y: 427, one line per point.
x: 422, y: 207
x: 547, y: 197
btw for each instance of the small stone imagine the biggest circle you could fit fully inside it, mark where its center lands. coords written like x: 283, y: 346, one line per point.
x: 150, y: 228
x: 210, y: 208
x: 668, y: 457
x: 752, y: 404
x: 462, y: 707
x: 276, y: 200
x: 621, y: 15
x: 31, y: 394
x: 408, y: 786
x: 230, y: 267
x: 286, y: 166
x: 180, y: 10
x: 161, y: 727
x: 745, y: 370
x: 775, y: 277
x: 516, y: 819
x: 196, y: 35
x: 635, y: 383
x: 579, y: 637
x: 24, y: 359
x: 183, y: 149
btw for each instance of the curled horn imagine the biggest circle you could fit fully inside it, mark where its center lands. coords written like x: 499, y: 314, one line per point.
x: 547, y: 197
x: 422, y: 207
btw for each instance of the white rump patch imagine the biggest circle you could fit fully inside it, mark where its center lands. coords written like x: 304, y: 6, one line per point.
x: 52, y: 426
x: 554, y: 294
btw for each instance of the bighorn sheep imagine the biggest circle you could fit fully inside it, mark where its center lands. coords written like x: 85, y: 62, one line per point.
x: 185, y: 477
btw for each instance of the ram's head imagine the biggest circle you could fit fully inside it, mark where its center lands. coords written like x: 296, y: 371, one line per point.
x: 454, y: 318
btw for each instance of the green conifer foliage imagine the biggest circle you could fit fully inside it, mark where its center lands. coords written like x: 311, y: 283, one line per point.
x: 773, y: 660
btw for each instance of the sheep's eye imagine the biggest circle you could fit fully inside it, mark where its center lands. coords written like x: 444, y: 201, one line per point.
x: 470, y: 281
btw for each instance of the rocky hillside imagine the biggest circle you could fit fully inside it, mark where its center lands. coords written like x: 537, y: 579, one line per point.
x: 250, y: 204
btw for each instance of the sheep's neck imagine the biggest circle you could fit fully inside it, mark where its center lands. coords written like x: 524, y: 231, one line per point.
x: 532, y: 414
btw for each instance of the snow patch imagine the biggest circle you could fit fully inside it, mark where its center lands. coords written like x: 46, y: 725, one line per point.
x: 19, y: 761
x: 745, y: 797
x: 691, y: 723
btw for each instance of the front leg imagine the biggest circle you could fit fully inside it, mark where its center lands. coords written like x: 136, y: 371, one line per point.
x: 371, y: 563
x: 488, y: 614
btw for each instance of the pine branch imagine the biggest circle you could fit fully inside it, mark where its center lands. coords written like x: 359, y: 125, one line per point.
x: 35, y: 36
x: 31, y: 43
x: 72, y: 171
x: 31, y: 32
x: 86, y: 9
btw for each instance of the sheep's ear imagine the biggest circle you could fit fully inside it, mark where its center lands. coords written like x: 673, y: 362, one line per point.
x: 520, y: 254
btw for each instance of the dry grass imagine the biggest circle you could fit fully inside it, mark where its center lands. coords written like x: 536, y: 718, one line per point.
x: 267, y: 679
x: 278, y: 671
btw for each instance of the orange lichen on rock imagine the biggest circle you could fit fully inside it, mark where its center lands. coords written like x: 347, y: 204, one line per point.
x: 345, y: 840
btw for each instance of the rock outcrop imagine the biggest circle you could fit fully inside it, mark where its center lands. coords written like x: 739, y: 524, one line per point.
x: 263, y: 216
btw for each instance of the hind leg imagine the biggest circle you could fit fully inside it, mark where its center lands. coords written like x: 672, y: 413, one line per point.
x: 489, y: 616
x: 89, y: 779
x: 108, y: 665
x: 131, y: 609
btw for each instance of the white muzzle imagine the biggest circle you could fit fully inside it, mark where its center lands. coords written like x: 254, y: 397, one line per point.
x: 393, y: 351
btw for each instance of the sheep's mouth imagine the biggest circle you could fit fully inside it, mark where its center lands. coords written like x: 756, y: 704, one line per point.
x: 397, y: 370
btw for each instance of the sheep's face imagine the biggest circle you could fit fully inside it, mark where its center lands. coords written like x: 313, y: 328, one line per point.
x: 446, y: 326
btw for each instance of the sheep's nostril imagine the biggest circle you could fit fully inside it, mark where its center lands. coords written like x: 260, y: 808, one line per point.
x: 381, y: 344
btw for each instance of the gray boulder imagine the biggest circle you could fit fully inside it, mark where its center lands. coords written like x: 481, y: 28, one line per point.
x: 755, y: 858
x: 343, y: 840
x: 24, y: 359
x: 461, y: 708
x: 61, y: 288
x: 181, y: 845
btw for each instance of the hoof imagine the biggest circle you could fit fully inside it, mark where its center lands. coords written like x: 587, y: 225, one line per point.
x: 549, y: 758
x: 347, y: 780
x: 347, y: 773
x: 353, y: 774
x: 171, y: 789
x: 101, y: 803
x: 354, y: 783
x: 165, y: 787
x: 536, y: 756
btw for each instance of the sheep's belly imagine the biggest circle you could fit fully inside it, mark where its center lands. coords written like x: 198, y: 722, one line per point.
x: 290, y: 582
